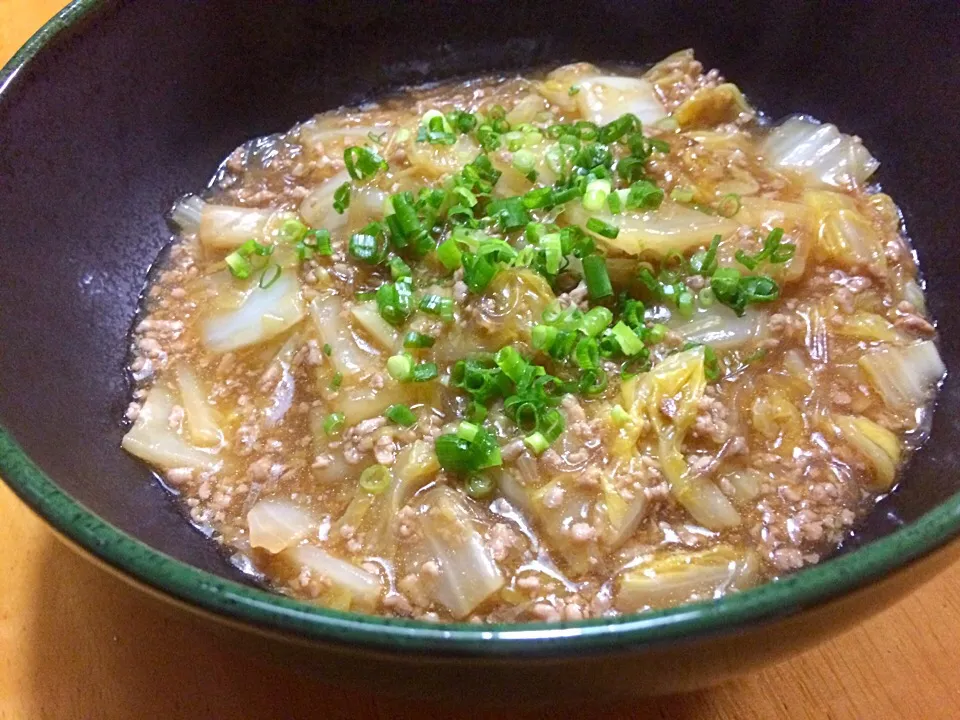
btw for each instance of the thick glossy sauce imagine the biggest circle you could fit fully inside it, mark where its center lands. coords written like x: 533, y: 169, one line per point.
x: 731, y: 450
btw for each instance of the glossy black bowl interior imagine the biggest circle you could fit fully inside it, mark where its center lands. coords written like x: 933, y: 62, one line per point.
x: 137, y: 102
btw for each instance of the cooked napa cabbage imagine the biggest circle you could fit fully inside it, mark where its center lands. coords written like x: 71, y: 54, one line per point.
x: 777, y: 418
x: 794, y: 218
x: 820, y: 152
x: 263, y: 314
x: 347, y: 356
x: 202, y: 423
x: 746, y: 484
x: 844, y: 234
x: 604, y: 98
x: 906, y: 376
x: 317, y: 207
x: 436, y: 161
x: 161, y: 443
x: 868, y: 326
x: 681, y: 379
x: 877, y: 444
x: 345, y: 586
x: 468, y: 573
x: 382, y: 332
x: 720, y: 327
x: 559, y: 505
x: 681, y: 577
x: 712, y: 106
x: 276, y: 524
x: 187, y: 213
x: 224, y: 227
x: 672, y: 228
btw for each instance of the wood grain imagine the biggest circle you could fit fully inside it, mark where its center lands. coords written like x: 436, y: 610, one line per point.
x: 76, y: 643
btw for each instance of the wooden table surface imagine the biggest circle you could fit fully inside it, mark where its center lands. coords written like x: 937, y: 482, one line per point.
x: 76, y: 643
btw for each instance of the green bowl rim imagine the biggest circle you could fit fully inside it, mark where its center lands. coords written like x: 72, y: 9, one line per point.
x: 268, y: 611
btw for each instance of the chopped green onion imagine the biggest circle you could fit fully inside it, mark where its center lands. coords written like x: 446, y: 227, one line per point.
x: 424, y: 371
x: 644, y: 195
x: 562, y: 196
x: 375, y: 479
x: 729, y: 205
x: 267, y: 279
x: 593, y: 382
x: 574, y: 89
x: 706, y: 297
x: 479, y: 485
x: 602, y: 228
x: 437, y: 305
x: 362, y: 162
x: 538, y: 198
x: 400, y: 367
x: 536, y: 442
x: 327, y: 350
x: 398, y: 268
x: 614, y: 202
x: 524, y: 161
x: 596, y: 276
x: 759, y: 288
x: 341, y: 198
x: 543, y: 337
x: 510, y: 362
x: 467, y: 430
x: 613, y: 131
x: 395, y: 301
x: 587, y: 354
x: 315, y: 241
x: 368, y: 244
x: 682, y: 195
x: 449, y: 254
x: 238, y: 265
x: 656, y: 333
x: 552, y: 252
x: 685, y: 304
x: 509, y: 213
x: 336, y: 381
x: 627, y: 339
x: 292, y: 230
x: 333, y: 423
x: 597, y: 320
x: 596, y: 195
x: 414, y: 339
x: 551, y: 425
x: 401, y: 415
x: 619, y: 416
x: 459, y: 455
x: 704, y: 262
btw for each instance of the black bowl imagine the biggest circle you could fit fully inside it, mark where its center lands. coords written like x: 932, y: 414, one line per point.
x: 116, y: 108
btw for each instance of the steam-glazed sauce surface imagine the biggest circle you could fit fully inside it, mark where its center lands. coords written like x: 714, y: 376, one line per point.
x: 535, y: 348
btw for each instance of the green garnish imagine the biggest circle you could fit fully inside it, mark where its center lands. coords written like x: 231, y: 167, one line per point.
x: 341, y: 198
x: 362, y: 162
x: 375, y: 479
x: 333, y: 423
x: 401, y: 415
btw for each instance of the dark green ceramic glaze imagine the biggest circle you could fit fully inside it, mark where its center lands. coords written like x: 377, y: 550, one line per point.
x: 116, y: 108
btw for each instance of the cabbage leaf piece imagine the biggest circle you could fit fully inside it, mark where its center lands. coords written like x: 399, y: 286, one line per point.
x: 820, y: 152
x: 152, y: 438
x: 878, y: 445
x: 665, y: 401
x: 468, y: 574
x: 263, y: 314
x: 678, y: 577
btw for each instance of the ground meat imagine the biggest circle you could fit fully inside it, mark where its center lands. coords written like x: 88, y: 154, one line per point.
x: 711, y: 421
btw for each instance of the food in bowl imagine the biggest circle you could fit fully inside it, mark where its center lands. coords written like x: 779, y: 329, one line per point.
x: 544, y: 347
